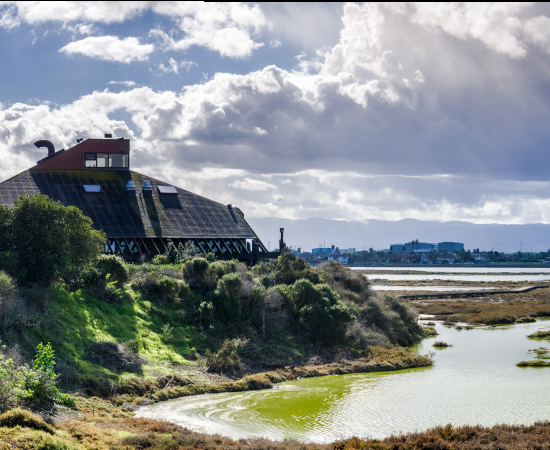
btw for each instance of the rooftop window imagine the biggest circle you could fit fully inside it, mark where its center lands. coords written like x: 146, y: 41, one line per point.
x: 106, y: 160
x: 167, y: 190
x: 92, y: 188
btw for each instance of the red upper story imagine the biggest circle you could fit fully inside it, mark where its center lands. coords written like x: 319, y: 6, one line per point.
x: 92, y: 154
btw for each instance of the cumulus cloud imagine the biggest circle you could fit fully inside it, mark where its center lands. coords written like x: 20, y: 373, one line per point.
x: 497, y: 25
x: 390, y: 122
x: 110, y: 48
x: 228, y: 28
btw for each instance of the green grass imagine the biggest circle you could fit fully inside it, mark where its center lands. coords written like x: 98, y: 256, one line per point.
x: 76, y: 320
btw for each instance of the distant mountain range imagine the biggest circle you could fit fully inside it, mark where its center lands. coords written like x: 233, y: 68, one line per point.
x: 380, y: 234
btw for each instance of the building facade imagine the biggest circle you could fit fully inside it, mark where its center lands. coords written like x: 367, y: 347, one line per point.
x: 140, y: 215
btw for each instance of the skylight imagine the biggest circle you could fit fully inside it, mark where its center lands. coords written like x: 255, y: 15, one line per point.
x: 167, y: 190
x: 92, y: 188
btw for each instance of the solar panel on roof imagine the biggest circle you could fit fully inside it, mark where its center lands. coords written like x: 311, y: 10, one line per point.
x: 167, y: 190
x: 92, y: 188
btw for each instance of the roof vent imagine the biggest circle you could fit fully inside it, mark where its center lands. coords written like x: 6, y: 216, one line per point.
x: 165, y: 190
x: 147, y: 188
x: 229, y: 206
x: 131, y: 188
x: 92, y: 188
x: 78, y: 141
x: 108, y: 135
x: 44, y: 143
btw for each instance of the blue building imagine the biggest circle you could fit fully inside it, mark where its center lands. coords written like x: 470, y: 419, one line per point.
x: 451, y: 247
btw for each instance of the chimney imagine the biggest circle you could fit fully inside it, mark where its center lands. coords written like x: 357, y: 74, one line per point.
x: 130, y: 188
x: 108, y: 135
x: 282, y: 242
x: 45, y: 143
x: 147, y: 188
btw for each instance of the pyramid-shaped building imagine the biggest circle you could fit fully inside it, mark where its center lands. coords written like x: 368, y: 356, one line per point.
x: 139, y: 214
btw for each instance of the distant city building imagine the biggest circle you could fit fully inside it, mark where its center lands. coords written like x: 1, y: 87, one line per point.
x: 422, y: 247
x: 347, y: 250
x: 451, y: 247
x: 321, y: 250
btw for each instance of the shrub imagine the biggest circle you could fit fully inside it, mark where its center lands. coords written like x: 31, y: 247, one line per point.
x: 210, y: 257
x: 156, y: 285
x: 22, y: 418
x: 114, y: 266
x: 320, y: 312
x: 200, y: 266
x: 57, y: 242
x: 227, y: 308
x: 39, y: 382
x: 116, y: 357
x: 8, y: 287
x: 160, y: 260
x: 11, y: 379
x: 227, y: 359
x: 230, y: 283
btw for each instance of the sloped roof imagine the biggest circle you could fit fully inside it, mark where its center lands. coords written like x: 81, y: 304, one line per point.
x: 185, y: 215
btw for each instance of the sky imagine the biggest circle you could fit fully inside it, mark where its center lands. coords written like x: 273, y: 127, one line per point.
x: 348, y: 111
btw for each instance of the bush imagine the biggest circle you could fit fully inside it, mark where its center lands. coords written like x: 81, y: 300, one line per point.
x: 160, y: 260
x: 39, y: 382
x: 57, y: 242
x: 227, y: 359
x: 200, y: 266
x: 11, y: 380
x: 320, y: 312
x: 210, y: 257
x: 158, y: 286
x: 230, y: 283
x: 114, y: 266
x: 22, y: 418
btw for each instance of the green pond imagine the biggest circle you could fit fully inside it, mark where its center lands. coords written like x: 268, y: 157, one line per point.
x: 475, y: 381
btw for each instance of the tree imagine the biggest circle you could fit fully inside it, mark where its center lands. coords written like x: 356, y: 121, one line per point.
x: 299, y: 250
x: 45, y: 240
x: 332, y: 248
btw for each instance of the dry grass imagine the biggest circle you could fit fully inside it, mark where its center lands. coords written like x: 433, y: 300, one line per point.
x: 490, y: 310
x: 140, y: 434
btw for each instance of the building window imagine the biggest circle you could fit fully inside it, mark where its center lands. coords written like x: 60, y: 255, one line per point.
x: 104, y: 160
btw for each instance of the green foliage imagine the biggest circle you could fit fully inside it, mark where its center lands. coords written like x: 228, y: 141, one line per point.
x: 18, y: 417
x: 171, y: 252
x: 167, y: 334
x: 57, y: 242
x: 157, y: 286
x: 230, y: 283
x: 160, y: 260
x: 227, y: 358
x: 11, y: 380
x: 320, y: 312
x: 200, y: 266
x: 8, y: 287
x: 39, y: 382
x: 210, y: 257
x: 113, y: 266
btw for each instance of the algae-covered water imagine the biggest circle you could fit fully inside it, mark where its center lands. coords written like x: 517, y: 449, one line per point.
x: 474, y: 382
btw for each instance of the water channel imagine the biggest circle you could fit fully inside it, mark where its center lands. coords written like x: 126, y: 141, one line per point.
x: 475, y: 381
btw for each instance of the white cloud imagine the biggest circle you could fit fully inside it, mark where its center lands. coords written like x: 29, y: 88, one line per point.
x: 110, y: 48
x: 36, y: 12
x: 252, y: 185
x: 537, y: 31
x: 274, y: 43
x: 186, y: 65
x: 223, y: 27
x: 9, y: 19
x: 497, y: 25
x: 125, y: 83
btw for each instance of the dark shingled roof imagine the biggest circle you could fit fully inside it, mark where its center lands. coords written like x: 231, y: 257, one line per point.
x: 185, y: 215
